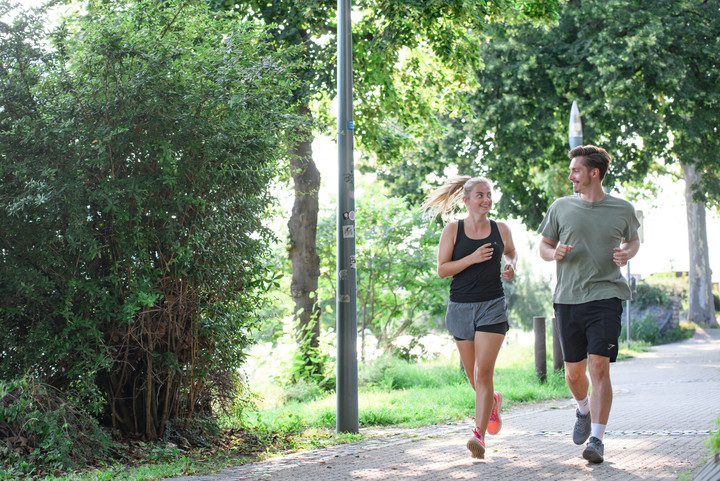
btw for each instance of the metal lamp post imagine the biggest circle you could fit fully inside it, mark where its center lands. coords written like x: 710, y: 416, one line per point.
x: 575, y: 134
x: 347, y: 419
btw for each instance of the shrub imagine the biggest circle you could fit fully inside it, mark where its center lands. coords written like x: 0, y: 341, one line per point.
x: 139, y: 141
x: 675, y: 285
x: 650, y: 295
x: 646, y: 330
x: 398, y: 291
x: 39, y: 426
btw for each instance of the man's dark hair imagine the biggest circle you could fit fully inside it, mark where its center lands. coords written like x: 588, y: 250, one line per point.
x: 593, y: 157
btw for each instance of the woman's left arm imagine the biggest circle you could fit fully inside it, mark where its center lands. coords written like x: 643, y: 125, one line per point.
x: 509, y: 252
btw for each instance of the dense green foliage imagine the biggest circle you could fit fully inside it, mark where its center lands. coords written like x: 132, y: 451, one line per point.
x: 672, y: 284
x: 414, y: 60
x: 646, y: 80
x: 647, y: 295
x: 409, y: 58
x: 646, y: 329
x: 41, y: 428
x: 138, y: 143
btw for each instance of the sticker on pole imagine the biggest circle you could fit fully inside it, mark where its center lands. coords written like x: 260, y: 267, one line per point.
x: 344, y: 298
x: 352, y: 262
x: 351, y: 125
x: 348, y: 231
x: 343, y: 274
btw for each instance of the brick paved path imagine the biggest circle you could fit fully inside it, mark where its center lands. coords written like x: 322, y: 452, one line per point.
x: 665, y: 405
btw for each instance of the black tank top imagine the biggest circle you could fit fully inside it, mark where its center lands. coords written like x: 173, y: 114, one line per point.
x: 479, y: 282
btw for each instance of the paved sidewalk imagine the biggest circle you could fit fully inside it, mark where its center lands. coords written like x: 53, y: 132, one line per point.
x: 665, y: 405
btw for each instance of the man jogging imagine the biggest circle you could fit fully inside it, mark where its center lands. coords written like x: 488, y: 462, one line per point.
x: 590, y: 236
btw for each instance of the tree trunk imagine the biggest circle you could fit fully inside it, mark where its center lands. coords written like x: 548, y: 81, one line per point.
x: 303, y: 248
x: 701, y: 309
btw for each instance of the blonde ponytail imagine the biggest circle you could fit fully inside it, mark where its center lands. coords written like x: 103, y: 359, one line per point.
x: 448, y: 196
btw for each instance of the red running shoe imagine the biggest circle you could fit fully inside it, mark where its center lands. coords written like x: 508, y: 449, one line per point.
x: 476, y: 444
x: 495, y: 423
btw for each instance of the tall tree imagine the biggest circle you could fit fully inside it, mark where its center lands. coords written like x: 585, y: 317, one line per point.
x: 701, y: 306
x: 386, y: 31
x: 646, y: 76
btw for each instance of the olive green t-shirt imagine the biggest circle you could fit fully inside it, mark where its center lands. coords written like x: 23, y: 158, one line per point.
x: 594, y: 229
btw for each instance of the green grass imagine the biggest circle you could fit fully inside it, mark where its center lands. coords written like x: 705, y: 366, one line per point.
x: 713, y: 441
x: 393, y: 392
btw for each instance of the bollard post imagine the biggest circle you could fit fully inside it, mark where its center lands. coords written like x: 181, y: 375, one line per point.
x: 558, y: 364
x: 540, y: 350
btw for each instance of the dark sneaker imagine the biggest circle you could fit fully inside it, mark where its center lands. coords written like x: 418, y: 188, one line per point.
x: 582, y: 428
x: 594, y: 450
x: 476, y: 445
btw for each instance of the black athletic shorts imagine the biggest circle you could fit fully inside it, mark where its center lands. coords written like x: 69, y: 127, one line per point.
x: 499, y: 328
x: 589, y: 328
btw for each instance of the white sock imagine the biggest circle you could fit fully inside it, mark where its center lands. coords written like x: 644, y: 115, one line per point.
x: 584, y: 405
x: 598, y: 430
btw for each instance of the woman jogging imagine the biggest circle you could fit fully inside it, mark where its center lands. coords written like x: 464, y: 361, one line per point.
x: 470, y: 251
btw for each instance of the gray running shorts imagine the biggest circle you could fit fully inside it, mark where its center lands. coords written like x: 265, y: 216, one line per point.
x: 463, y: 318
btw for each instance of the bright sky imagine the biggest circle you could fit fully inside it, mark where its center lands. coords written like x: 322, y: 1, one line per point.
x: 665, y: 246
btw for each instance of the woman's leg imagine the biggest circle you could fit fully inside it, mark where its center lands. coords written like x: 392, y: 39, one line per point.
x: 467, y: 357
x: 487, y: 347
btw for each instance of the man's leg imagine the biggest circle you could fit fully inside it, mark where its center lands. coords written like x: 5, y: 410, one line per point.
x: 578, y: 383
x: 571, y: 330
x: 601, y: 396
x: 576, y: 379
x: 600, y: 403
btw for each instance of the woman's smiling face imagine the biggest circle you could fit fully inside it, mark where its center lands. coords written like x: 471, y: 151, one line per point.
x: 480, y: 199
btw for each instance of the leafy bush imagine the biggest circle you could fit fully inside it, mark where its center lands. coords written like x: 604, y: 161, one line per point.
x: 302, y: 390
x: 310, y: 366
x: 41, y: 427
x: 650, y: 295
x: 138, y: 144
x: 646, y: 330
x: 674, y: 284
